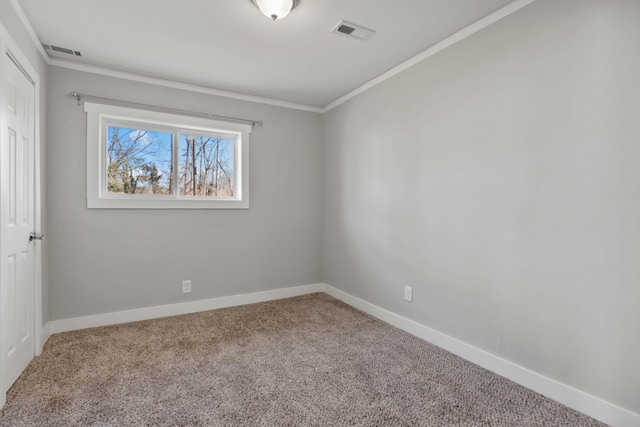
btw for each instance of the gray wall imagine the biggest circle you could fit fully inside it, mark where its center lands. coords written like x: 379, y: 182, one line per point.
x: 499, y: 178
x: 19, y: 34
x: 109, y: 260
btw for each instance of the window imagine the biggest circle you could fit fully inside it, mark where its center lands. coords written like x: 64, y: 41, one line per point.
x: 151, y: 160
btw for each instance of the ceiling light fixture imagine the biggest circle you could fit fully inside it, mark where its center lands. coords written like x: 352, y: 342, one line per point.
x: 275, y: 9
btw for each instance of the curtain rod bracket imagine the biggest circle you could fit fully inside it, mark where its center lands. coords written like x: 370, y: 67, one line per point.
x: 77, y: 96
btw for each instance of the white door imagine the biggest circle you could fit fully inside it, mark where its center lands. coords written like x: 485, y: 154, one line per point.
x: 16, y: 222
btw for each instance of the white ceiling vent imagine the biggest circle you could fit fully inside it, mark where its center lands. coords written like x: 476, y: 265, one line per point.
x: 60, y: 52
x: 352, y: 30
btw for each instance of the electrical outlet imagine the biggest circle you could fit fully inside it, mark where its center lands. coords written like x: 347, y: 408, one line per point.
x: 408, y: 293
x: 186, y: 286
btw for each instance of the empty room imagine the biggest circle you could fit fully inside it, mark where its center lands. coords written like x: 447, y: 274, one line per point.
x: 305, y: 212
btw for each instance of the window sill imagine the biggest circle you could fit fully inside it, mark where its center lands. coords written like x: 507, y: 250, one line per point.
x: 149, y: 203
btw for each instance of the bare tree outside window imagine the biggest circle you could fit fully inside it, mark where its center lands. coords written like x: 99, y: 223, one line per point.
x: 139, y: 161
x: 206, y: 166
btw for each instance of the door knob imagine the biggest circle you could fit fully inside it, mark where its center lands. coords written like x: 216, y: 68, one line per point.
x: 35, y: 236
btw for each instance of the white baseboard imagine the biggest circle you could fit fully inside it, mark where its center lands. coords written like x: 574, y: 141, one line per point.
x: 105, y: 319
x: 567, y: 395
x: 576, y: 399
x: 45, y: 333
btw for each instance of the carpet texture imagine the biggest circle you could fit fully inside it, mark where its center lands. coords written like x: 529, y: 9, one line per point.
x: 309, y: 360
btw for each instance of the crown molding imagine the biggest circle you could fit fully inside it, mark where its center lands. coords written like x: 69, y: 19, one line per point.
x: 178, y: 85
x: 452, y: 39
x: 27, y: 25
x: 438, y: 47
x: 149, y: 79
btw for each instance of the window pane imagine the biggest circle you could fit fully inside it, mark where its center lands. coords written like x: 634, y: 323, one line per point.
x: 139, y: 161
x: 206, y: 166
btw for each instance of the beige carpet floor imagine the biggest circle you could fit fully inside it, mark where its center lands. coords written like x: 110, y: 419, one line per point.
x: 309, y: 360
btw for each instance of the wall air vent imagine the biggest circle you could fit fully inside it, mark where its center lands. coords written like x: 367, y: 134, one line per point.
x: 353, y: 31
x: 57, y: 50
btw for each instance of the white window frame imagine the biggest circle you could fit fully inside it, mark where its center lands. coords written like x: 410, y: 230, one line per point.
x: 99, y: 116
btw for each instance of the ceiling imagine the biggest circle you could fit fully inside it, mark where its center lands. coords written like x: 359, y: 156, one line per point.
x: 230, y: 45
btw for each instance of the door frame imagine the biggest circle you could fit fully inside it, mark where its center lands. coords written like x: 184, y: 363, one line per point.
x: 9, y: 48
